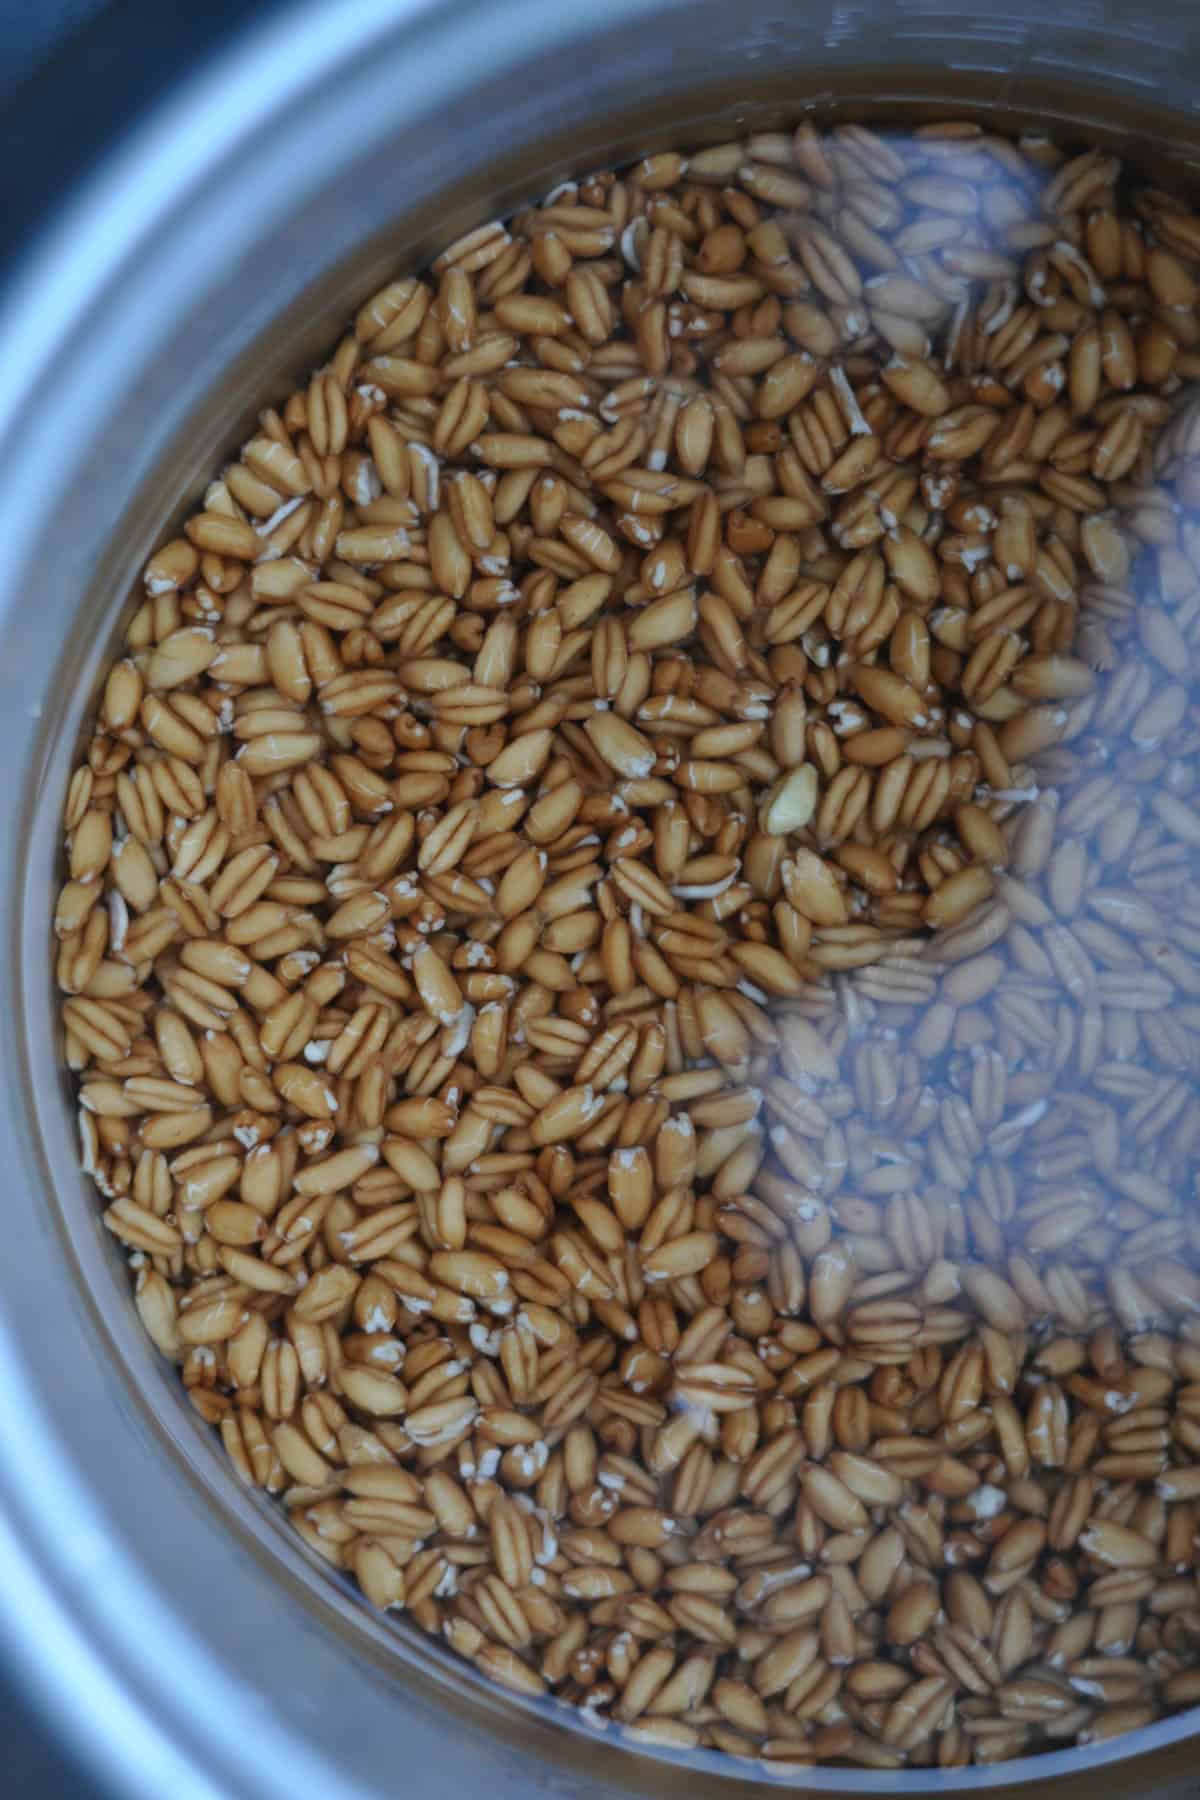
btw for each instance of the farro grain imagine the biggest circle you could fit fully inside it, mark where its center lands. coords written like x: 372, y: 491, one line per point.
x: 493, y: 961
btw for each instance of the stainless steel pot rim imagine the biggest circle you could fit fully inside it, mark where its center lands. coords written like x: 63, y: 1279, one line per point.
x: 87, y: 1656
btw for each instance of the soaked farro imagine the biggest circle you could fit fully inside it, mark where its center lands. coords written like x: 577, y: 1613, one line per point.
x: 629, y: 950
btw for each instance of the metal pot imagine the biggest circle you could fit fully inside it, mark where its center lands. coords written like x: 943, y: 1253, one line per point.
x: 166, y: 1618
